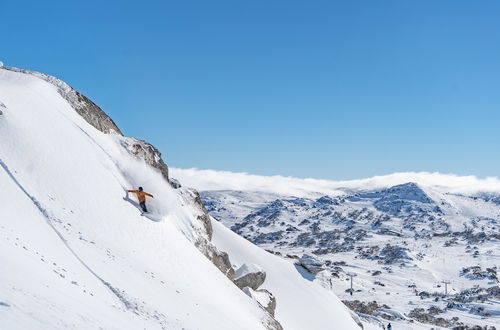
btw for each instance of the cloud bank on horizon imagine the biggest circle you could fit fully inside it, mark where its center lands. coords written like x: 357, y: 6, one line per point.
x: 225, y: 180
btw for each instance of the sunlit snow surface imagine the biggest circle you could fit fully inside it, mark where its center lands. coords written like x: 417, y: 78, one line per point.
x: 75, y: 253
x: 402, y: 235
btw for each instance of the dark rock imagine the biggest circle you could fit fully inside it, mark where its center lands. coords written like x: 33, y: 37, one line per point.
x: 147, y: 152
x: 252, y: 280
x: 219, y: 258
x: 204, y: 217
x: 311, y: 264
x: 265, y: 298
x: 362, y: 307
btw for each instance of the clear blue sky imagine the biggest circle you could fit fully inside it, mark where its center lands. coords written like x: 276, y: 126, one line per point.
x: 326, y: 89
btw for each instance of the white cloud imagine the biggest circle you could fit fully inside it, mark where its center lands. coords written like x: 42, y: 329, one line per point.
x: 224, y: 180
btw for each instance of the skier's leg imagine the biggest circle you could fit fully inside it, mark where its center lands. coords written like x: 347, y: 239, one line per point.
x: 143, y: 206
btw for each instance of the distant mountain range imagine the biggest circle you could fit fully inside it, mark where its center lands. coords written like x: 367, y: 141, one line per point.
x: 400, y: 241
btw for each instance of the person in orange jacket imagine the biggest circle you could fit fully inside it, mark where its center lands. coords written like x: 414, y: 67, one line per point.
x: 141, y: 196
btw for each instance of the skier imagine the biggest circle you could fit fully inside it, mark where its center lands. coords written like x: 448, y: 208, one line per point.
x: 141, y: 196
x: 389, y: 327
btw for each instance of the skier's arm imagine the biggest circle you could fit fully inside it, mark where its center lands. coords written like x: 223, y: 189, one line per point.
x: 132, y: 191
x: 148, y: 195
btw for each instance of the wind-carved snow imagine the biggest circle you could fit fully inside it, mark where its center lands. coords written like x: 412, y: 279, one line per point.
x: 77, y: 254
x: 399, y: 241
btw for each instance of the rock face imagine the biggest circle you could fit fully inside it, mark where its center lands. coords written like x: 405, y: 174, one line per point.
x: 270, y: 306
x: 245, y: 277
x: 271, y: 324
x: 267, y: 302
x: 219, y: 258
x: 149, y: 154
x: 265, y: 298
x: 94, y: 115
x: 313, y: 265
x: 204, y: 218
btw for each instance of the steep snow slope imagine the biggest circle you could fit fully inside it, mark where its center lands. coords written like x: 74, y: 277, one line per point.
x: 282, y: 279
x: 75, y: 253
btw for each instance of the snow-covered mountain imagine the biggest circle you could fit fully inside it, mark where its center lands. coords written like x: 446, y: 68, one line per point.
x: 75, y: 252
x: 401, y: 236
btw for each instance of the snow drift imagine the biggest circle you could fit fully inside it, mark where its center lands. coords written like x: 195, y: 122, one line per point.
x: 77, y: 254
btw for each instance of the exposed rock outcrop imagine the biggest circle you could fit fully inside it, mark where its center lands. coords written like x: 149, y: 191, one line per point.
x: 252, y: 280
x: 152, y: 156
x: 271, y: 324
x: 219, y: 258
x: 204, y: 217
x: 267, y: 302
x: 265, y: 298
x: 313, y: 265
x: 249, y: 276
x: 269, y: 307
x: 271, y: 303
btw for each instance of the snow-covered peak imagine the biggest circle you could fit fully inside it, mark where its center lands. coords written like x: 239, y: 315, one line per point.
x: 403, y: 192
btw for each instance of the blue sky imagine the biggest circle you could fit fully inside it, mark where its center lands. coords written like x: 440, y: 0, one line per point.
x: 325, y: 89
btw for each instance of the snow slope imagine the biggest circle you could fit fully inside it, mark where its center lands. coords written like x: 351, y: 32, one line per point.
x: 75, y: 253
x: 282, y: 279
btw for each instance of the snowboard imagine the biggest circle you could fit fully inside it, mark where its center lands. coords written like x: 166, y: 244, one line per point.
x: 152, y: 217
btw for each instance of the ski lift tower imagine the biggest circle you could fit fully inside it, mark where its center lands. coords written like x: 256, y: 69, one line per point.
x: 351, y: 275
x: 446, y: 286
